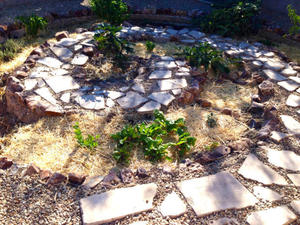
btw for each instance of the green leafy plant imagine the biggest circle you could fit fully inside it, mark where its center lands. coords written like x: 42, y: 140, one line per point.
x: 237, y: 20
x: 295, y: 20
x: 151, y: 138
x: 150, y: 46
x: 90, y: 142
x: 33, y: 24
x: 9, y: 49
x: 113, y: 11
x: 211, y: 120
x: 207, y: 56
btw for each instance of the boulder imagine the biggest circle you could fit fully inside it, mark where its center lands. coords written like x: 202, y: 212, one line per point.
x: 31, y: 170
x: 77, y: 179
x: 61, y: 35
x: 56, y: 179
x: 266, y: 89
x: 5, y: 163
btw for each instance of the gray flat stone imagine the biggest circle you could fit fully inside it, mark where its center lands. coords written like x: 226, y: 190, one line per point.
x: 292, y: 125
x: 257, y: 64
x: 65, y: 97
x: 50, y: 62
x: 79, y: 59
x: 295, y: 178
x: 37, y: 74
x: 59, y: 72
x: 113, y: 94
x: 274, y: 75
x: 61, y: 83
x: 293, y: 100
x: 183, y: 70
x: 161, y: 74
x: 298, y: 90
x: 172, y: 206
x: 124, y: 89
x: 269, y: 54
x: 166, y: 64
x: 278, y: 136
x: 289, y: 85
x: 149, y: 107
x: 225, y: 221
x: 131, y: 100
x: 67, y: 42
x: 139, y: 223
x: 254, y: 169
x: 112, y: 205
x: 215, y: 193
x: 110, y: 103
x: 91, y: 101
x: 188, y: 41
x: 274, y: 65
x: 77, y: 48
x: 62, y: 53
x: 170, y: 84
x: 285, y: 159
x: 266, y: 194
x: 182, y: 74
x: 138, y: 87
x: 274, y: 216
x: 30, y: 84
x: 296, y: 79
x: 196, y: 34
x: 296, y: 205
x: 176, y: 91
x: 164, y: 98
x: 289, y: 72
x: 91, y: 182
x: 46, y: 94
x: 166, y: 58
x: 180, y: 63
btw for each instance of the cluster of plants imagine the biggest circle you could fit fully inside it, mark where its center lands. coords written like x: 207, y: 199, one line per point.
x: 112, y: 11
x: 89, y: 142
x: 237, y: 20
x: 211, y: 120
x: 150, y: 46
x: 295, y: 20
x: 33, y: 24
x: 207, y: 56
x: 9, y: 49
x: 153, y: 139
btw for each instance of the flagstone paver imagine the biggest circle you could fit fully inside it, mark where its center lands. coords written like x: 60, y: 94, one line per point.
x: 118, y: 203
x: 63, y: 53
x: 295, y: 178
x: 91, y: 101
x: 289, y: 72
x: 292, y: 125
x: 131, y: 100
x: 149, y: 107
x: 79, y: 59
x: 296, y: 205
x: 46, y: 94
x: 274, y: 216
x: 166, y: 64
x: 225, y: 221
x: 164, y: 98
x: 293, y: 100
x: 51, y: 62
x: 289, y: 85
x: 254, y: 169
x: 30, y: 84
x: 278, y: 136
x: 172, y: 206
x: 67, y: 42
x: 285, y: 159
x: 165, y: 85
x: 139, y: 223
x: 274, y: 65
x: 62, y: 83
x: 274, y: 75
x: 161, y: 74
x: 215, y: 192
x: 296, y: 79
x: 138, y: 87
x: 266, y: 194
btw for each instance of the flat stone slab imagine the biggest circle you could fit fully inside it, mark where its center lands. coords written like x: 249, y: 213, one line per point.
x: 61, y: 83
x: 65, y: 97
x: 296, y: 205
x: 164, y: 98
x: 266, y: 194
x: 289, y: 85
x: 149, y: 107
x: 131, y: 100
x: 170, y: 84
x: 215, y: 193
x: 91, y: 101
x: 296, y: 79
x: 59, y: 72
x: 196, y: 34
x: 293, y: 100
x: 50, y: 62
x: 46, y: 94
x: 79, y: 59
x: 254, y: 169
x: 278, y: 136
x: 285, y: 159
x: 161, y: 74
x: 138, y: 87
x: 67, y: 42
x: 225, y: 221
x: 257, y: 64
x: 166, y: 58
x: 62, y: 53
x: 166, y: 64
x: 274, y: 216
x: 112, y: 205
x: 292, y: 125
x: 30, y: 84
x: 139, y: 223
x: 172, y: 206
x: 289, y: 72
x: 295, y: 178
x: 274, y: 75
x: 274, y: 65
x: 113, y: 94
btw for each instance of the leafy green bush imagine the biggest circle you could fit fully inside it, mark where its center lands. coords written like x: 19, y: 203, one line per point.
x: 237, y: 20
x: 151, y: 138
x: 211, y: 120
x: 9, y: 49
x: 33, y: 24
x: 113, y: 11
x: 295, y: 20
x: 89, y: 142
x: 207, y: 56
x: 150, y: 46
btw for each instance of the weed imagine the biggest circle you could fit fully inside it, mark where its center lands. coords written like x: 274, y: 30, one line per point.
x: 9, y: 49
x: 89, y: 142
x: 151, y: 138
x: 113, y: 11
x: 150, y: 46
x: 33, y: 24
x: 211, y: 120
x: 295, y: 20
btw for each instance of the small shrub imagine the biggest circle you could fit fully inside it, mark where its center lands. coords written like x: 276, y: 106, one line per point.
x: 207, y: 56
x: 150, y: 46
x: 9, y: 49
x: 33, y: 24
x: 211, y: 120
x: 89, y: 142
x: 295, y: 20
x: 112, y: 11
x: 151, y: 138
